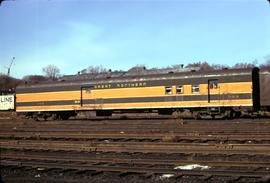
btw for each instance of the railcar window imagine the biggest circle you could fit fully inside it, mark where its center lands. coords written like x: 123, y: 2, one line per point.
x: 213, y: 85
x: 195, y: 88
x: 179, y: 89
x: 168, y: 90
x: 87, y: 90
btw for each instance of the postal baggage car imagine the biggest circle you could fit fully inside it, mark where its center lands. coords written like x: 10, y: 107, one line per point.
x: 226, y: 93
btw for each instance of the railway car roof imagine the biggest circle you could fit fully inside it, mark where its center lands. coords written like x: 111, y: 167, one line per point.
x: 124, y: 78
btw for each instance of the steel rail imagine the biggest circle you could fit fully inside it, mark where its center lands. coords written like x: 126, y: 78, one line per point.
x: 145, y: 147
x: 162, y: 128
x: 264, y: 122
x: 135, y: 123
x: 134, y: 169
x: 84, y: 158
x: 136, y: 118
x: 133, y: 135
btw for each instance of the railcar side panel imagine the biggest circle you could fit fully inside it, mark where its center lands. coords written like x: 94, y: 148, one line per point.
x: 237, y: 93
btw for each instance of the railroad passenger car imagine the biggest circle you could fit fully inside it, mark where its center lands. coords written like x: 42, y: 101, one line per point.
x: 220, y: 92
x: 265, y: 89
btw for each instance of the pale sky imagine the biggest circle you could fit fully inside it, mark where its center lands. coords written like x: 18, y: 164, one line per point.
x: 75, y: 34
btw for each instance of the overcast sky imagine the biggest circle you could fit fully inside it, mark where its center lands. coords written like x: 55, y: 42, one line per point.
x: 75, y: 34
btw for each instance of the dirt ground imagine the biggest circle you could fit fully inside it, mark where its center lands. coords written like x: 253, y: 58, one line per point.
x: 29, y: 175
x: 8, y: 115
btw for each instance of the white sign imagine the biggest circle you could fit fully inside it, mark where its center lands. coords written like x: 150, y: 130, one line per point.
x: 6, y: 102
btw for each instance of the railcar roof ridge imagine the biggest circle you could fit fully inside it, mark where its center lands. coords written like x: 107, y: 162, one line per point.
x: 125, y: 78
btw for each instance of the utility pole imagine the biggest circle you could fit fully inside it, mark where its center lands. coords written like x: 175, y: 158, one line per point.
x: 8, y: 73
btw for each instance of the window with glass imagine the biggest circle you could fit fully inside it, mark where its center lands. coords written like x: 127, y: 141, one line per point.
x: 179, y: 89
x: 213, y: 85
x: 168, y: 90
x: 87, y: 90
x: 195, y: 88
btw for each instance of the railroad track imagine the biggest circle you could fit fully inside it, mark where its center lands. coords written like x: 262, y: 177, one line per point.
x: 150, y: 121
x: 73, y: 157
x: 143, y: 125
x: 152, y: 127
x: 83, y: 145
x: 137, y: 169
x: 144, y: 147
x: 147, y: 130
x: 139, y: 136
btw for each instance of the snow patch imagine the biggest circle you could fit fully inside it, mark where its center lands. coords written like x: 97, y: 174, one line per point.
x: 166, y: 176
x: 191, y: 167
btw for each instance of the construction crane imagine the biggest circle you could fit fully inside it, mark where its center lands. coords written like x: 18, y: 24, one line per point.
x: 8, y: 72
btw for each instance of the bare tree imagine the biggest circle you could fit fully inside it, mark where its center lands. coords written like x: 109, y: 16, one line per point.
x: 8, y: 83
x: 94, y: 70
x: 266, y: 64
x: 51, y: 71
x: 34, y: 78
x: 219, y: 66
x: 204, y: 66
x: 243, y: 65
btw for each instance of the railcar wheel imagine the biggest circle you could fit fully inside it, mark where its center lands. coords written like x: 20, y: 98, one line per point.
x: 64, y: 116
x: 165, y: 112
x: 231, y: 114
x: 197, y: 115
x: 228, y: 114
x: 103, y: 113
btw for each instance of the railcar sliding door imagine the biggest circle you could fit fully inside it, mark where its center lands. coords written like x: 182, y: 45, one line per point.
x: 86, y: 95
x: 213, y: 91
